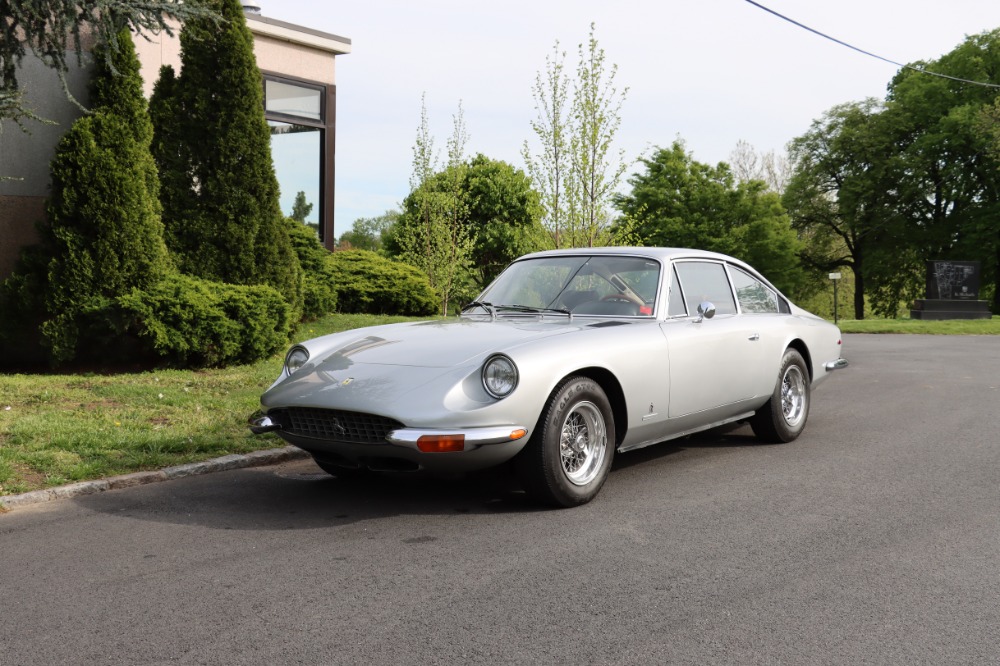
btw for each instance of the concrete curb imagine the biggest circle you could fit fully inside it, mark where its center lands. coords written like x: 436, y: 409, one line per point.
x: 235, y: 461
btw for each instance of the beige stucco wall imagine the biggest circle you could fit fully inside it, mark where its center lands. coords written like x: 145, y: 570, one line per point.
x: 273, y: 54
x: 154, y: 51
x: 281, y: 57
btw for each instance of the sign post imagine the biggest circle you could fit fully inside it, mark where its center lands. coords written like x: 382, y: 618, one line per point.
x: 835, y: 277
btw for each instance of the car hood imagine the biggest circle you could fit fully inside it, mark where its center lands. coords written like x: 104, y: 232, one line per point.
x: 436, y: 344
x: 382, y: 365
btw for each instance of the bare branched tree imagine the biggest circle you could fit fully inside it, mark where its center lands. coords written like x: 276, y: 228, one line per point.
x: 747, y: 164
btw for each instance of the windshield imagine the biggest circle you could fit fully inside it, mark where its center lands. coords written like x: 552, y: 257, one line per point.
x: 594, y: 285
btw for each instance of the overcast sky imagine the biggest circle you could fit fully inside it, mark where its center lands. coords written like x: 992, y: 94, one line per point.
x: 711, y: 72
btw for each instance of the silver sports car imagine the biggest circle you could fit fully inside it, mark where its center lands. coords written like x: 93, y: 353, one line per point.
x: 566, y: 358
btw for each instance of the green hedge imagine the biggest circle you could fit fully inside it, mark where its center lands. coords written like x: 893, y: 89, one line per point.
x: 318, y: 282
x: 192, y: 322
x: 371, y: 284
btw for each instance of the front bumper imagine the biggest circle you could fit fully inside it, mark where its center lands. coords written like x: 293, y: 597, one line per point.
x: 467, y: 448
x: 472, y: 438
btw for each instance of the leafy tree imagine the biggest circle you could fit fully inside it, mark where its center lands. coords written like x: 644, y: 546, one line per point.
x: 678, y: 202
x: 882, y: 188
x: 551, y: 169
x: 52, y: 31
x: 503, y: 216
x: 221, y: 210
x: 576, y: 171
x: 843, y: 198
x: 949, y: 176
x: 596, y: 107
x: 432, y: 235
x: 105, y: 236
x: 301, y: 208
x: 368, y: 233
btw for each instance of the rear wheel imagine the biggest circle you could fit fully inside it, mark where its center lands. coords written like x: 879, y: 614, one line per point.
x: 783, y: 417
x: 569, y: 456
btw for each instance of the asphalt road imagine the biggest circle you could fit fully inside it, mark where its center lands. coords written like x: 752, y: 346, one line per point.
x: 873, y: 539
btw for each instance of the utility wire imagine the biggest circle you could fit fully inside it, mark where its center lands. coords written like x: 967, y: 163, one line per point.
x: 855, y: 48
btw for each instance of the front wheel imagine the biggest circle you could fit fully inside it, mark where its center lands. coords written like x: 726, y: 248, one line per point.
x: 569, y: 455
x: 783, y: 417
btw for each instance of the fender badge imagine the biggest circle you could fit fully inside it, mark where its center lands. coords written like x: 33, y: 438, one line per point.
x: 347, y: 381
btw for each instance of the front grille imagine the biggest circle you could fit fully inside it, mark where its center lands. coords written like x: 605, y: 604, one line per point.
x: 339, y: 426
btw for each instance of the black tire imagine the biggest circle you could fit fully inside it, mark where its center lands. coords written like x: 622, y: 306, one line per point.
x: 783, y: 417
x: 561, y: 472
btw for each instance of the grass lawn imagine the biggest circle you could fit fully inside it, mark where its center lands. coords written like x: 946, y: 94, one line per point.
x: 55, y: 429
x: 922, y: 326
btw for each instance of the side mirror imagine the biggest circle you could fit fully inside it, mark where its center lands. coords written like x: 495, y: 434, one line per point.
x: 706, y: 310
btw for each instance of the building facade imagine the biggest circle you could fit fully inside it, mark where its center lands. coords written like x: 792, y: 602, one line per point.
x: 298, y: 67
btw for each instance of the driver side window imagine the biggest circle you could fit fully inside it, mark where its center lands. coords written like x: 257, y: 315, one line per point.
x: 706, y: 281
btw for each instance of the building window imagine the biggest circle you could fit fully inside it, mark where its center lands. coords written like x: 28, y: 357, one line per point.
x: 296, y: 151
x: 293, y: 99
x: 301, y: 117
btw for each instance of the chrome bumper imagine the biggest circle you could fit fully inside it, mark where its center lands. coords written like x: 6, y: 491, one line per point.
x: 260, y: 423
x: 839, y: 364
x: 473, y: 437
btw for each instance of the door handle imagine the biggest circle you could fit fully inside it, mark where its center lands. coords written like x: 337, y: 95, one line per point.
x: 754, y: 337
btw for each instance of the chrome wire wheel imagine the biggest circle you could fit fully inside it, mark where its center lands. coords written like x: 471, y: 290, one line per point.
x: 583, y: 443
x: 793, y: 396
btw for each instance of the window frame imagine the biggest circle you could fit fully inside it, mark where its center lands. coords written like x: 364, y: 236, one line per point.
x: 725, y: 272
x: 732, y: 269
x: 327, y: 126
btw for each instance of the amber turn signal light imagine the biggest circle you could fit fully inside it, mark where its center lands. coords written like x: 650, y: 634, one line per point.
x: 441, y: 443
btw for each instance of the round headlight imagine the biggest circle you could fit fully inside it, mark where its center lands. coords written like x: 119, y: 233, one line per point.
x: 295, y: 359
x: 499, y: 376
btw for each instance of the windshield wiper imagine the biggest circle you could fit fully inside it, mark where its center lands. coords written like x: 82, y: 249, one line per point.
x: 533, y: 310
x: 481, y: 304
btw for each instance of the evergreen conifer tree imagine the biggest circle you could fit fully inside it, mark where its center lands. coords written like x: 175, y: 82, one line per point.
x: 221, y: 210
x: 105, y: 235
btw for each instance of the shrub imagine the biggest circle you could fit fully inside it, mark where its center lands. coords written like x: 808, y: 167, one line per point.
x: 319, y: 285
x: 370, y: 284
x: 189, y: 322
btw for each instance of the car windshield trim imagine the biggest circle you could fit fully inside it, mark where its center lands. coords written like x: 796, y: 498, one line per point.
x: 481, y: 304
x: 530, y: 309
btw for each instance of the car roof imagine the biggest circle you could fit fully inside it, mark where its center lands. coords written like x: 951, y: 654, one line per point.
x: 660, y: 253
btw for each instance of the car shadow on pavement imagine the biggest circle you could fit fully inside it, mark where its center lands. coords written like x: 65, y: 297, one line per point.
x: 299, y: 495
x: 728, y: 436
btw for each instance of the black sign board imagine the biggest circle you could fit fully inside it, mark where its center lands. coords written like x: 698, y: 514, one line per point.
x: 953, y: 280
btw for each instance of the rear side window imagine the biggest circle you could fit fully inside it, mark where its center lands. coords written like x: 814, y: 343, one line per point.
x: 754, y: 296
x: 706, y: 281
